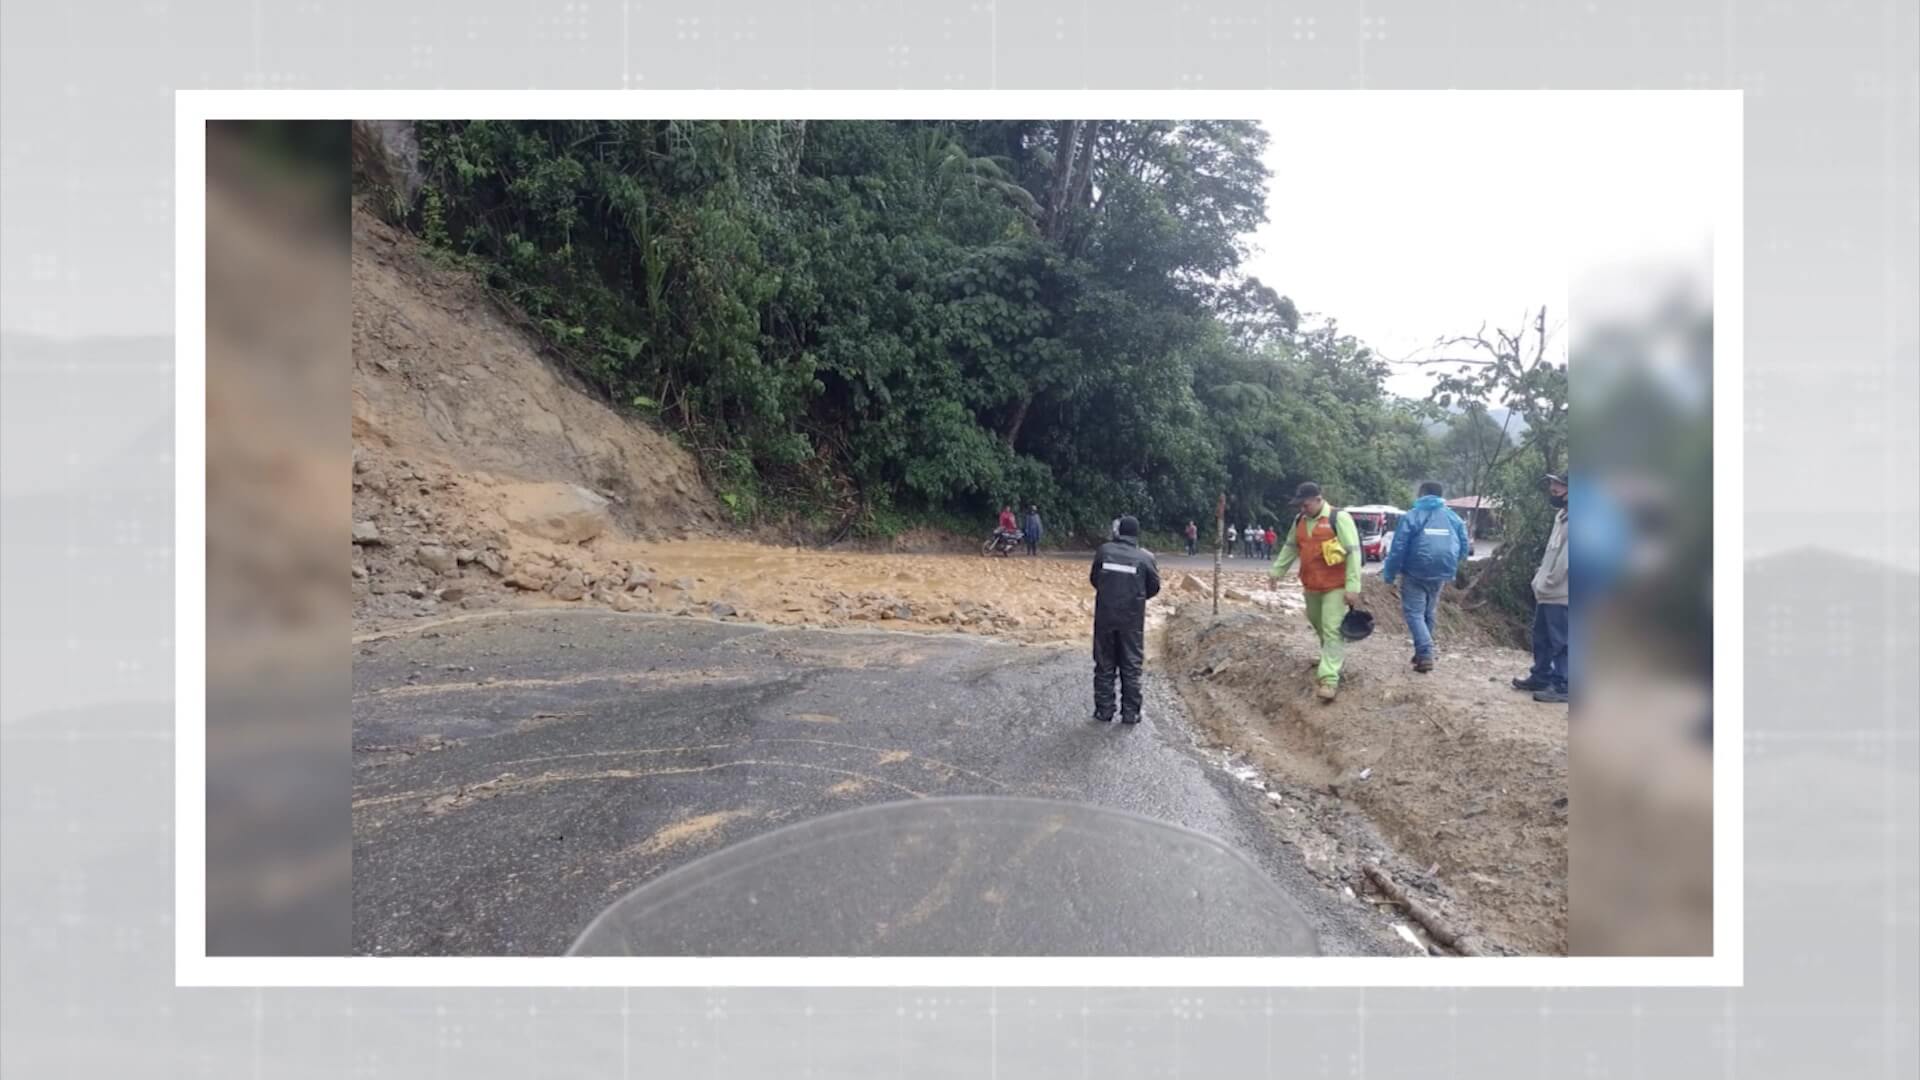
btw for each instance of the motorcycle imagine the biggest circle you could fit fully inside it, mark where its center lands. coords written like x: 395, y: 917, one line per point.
x: 961, y: 876
x: 1001, y: 543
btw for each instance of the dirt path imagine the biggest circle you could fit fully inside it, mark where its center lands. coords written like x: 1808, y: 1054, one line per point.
x: 1036, y: 601
x: 1451, y: 781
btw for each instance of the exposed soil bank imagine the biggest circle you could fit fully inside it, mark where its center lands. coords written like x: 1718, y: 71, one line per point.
x: 1464, y: 777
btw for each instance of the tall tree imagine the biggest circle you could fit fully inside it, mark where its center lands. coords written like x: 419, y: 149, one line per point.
x: 896, y: 317
x: 1515, y: 370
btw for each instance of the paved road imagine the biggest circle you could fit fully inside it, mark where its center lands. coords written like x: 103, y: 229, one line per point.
x: 1203, y: 562
x: 515, y: 775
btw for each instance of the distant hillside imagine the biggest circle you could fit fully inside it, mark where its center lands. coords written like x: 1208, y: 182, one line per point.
x: 1499, y: 415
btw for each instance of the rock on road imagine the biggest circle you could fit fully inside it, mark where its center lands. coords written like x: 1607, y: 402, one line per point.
x: 516, y: 774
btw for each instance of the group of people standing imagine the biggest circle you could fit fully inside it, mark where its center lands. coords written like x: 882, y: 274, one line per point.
x: 1252, y: 542
x: 1429, y: 543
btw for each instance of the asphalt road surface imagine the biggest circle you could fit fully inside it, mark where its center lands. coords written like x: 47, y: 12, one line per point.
x: 1203, y: 562
x: 1178, y: 562
x: 514, y: 775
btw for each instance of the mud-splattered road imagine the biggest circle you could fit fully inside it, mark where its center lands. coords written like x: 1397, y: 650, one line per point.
x: 516, y: 773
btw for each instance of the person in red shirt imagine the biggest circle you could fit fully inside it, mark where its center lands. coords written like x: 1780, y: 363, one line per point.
x: 1272, y: 539
x: 1007, y: 524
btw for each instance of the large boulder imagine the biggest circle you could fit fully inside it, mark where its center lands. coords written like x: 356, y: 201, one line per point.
x: 529, y: 578
x: 564, y: 513
x: 571, y: 586
x: 435, y: 558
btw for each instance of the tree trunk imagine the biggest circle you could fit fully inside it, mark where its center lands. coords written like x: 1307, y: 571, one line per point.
x: 1058, y: 187
x: 1489, y: 571
x: 1082, y: 173
x: 1019, y: 419
x: 1077, y: 244
x: 1436, y: 927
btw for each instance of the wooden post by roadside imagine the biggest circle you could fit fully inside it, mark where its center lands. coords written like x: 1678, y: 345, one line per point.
x: 1219, y: 539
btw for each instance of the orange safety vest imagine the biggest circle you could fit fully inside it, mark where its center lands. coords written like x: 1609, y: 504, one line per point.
x: 1315, y: 575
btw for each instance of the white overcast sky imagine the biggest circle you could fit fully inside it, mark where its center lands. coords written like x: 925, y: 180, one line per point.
x: 1407, y: 218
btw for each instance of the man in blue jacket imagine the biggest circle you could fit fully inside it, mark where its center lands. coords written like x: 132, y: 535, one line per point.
x: 1428, y: 545
x: 1033, y: 530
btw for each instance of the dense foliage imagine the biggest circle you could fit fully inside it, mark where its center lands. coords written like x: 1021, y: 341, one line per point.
x: 871, y: 322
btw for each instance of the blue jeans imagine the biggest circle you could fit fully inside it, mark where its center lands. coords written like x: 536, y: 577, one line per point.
x: 1550, y: 638
x: 1420, y: 603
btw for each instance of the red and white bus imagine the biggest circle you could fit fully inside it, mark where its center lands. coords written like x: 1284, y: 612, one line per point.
x: 1376, y: 523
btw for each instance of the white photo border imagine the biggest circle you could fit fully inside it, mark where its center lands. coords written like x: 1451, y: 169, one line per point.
x: 1717, y: 114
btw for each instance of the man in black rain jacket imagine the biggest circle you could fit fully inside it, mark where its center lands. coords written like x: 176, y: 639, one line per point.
x: 1124, y: 577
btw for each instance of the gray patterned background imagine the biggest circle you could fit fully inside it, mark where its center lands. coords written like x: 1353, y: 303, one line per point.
x: 1833, y: 107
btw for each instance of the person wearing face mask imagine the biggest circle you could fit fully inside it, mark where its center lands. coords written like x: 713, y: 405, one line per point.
x: 1549, y: 678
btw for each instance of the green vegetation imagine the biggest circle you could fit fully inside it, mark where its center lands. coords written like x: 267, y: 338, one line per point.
x: 1505, y: 459
x: 865, y: 325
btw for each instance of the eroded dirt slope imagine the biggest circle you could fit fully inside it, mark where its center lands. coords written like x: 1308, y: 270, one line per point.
x: 1465, y: 778
x: 468, y: 441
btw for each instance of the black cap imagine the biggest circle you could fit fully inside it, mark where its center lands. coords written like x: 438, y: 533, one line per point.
x: 1129, y: 526
x: 1308, y: 490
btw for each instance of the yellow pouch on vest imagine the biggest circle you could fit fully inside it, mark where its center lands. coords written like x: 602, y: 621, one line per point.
x: 1332, y: 552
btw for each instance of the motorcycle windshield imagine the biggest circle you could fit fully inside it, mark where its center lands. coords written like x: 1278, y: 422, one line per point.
x: 961, y: 877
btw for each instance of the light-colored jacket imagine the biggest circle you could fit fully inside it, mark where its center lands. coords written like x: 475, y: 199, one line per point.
x: 1550, y: 581
x: 1343, y: 528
